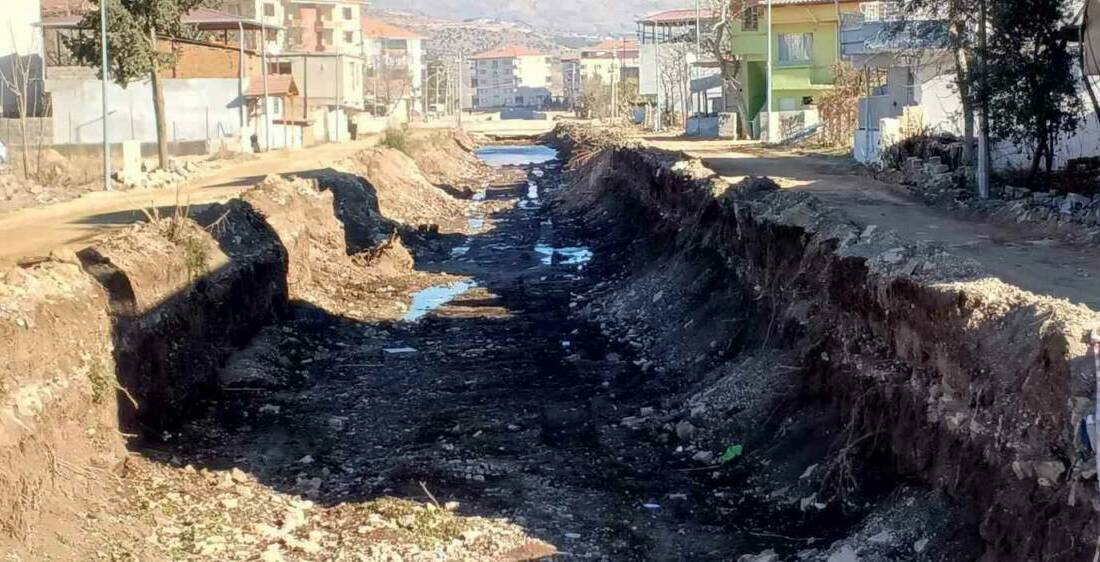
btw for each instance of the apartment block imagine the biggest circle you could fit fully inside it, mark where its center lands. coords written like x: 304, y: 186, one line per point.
x: 512, y: 76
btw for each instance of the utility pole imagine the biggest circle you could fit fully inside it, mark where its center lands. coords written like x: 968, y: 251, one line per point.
x: 983, y: 100
x: 614, y: 84
x: 657, y: 63
x: 460, y: 63
x: 106, y: 76
x: 768, y: 103
x: 263, y: 72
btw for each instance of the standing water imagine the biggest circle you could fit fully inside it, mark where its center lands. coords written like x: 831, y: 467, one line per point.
x: 517, y: 155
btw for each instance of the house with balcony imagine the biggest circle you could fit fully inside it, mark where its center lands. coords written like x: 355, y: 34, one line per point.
x: 805, y: 49
x: 395, y: 69
x: 272, y: 12
x: 511, y: 76
x: 666, y: 41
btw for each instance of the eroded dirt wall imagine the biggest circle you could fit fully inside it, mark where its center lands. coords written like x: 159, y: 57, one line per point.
x: 978, y: 385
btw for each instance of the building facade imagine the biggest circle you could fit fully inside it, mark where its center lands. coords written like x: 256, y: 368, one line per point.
x: 395, y: 68
x: 512, y: 76
x: 611, y: 61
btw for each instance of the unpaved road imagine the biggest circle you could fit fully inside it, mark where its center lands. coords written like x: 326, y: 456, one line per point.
x: 1040, y: 265
x: 38, y: 231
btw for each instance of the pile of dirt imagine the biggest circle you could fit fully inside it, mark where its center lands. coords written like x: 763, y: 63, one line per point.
x: 448, y: 161
x: 402, y: 191
x: 322, y: 268
x: 864, y: 352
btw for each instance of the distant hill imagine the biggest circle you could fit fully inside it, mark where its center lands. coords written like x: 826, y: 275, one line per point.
x: 564, y: 16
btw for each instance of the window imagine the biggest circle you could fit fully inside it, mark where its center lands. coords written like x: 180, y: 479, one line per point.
x: 278, y: 68
x: 272, y: 35
x: 326, y: 36
x: 349, y: 37
x: 796, y: 48
x: 347, y: 13
x: 750, y: 19
x: 269, y: 10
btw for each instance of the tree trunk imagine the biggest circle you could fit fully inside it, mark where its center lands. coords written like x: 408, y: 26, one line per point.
x: 158, y: 110
x: 957, y: 33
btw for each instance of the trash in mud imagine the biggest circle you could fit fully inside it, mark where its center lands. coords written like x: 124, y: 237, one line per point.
x: 434, y: 297
x: 459, y: 251
x: 563, y: 256
x: 399, y: 351
x: 476, y: 223
x: 517, y: 155
x: 731, y: 453
x: 532, y: 190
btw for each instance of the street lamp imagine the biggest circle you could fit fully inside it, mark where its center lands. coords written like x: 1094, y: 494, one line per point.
x: 106, y: 74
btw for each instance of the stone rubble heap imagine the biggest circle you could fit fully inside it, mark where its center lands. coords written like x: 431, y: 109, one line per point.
x: 934, y: 181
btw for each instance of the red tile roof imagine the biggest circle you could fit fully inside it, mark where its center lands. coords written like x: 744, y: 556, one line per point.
x: 375, y: 28
x: 509, y: 52
x: 279, y: 85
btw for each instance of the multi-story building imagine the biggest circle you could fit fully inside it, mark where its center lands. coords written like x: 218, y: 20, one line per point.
x: 325, y: 26
x: 512, y: 76
x: 271, y: 12
x: 611, y: 61
x: 395, y: 66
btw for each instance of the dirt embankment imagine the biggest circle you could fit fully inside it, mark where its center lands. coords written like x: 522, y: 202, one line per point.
x: 768, y: 319
x: 121, y: 340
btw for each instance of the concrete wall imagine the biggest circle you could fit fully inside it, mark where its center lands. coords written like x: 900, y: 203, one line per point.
x: 197, y: 109
x: 323, y: 80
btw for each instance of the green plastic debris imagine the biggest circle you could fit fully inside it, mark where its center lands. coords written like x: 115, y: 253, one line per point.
x: 732, y: 452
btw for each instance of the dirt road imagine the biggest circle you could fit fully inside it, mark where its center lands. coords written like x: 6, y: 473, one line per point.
x: 1040, y: 265
x: 38, y: 231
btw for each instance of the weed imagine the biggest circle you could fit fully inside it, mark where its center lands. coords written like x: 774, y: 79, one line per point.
x: 102, y: 381
x: 398, y: 139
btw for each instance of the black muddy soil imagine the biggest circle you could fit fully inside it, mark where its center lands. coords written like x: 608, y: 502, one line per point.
x: 507, y: 401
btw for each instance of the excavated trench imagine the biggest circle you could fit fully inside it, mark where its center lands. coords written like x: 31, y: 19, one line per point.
x: 611, y: 360
x: 514, y: 389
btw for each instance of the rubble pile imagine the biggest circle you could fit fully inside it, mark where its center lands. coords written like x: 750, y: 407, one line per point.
x: 1076, y: 215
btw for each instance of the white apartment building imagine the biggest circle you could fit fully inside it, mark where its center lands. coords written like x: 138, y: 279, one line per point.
x: 395, y: 62
x: 512, y: 76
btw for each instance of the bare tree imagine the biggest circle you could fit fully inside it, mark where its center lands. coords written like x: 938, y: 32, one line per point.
x: 718, y: 43
x: 673, y: 77
x: 17, y: 80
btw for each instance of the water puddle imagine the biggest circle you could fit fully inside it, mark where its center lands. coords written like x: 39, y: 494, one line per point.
x: 476, y: 223
x: 517, y: 155
x: 563, y: 256
x: 434, y: 297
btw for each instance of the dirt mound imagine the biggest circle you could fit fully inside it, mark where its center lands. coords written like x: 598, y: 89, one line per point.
x: 403, y: 193
x: 323, y: 269
x: 448, y: 161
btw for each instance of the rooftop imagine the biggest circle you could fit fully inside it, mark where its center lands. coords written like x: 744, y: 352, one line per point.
x: 375, y: 28
x: 279, y: 85
x: 508, y: 52
x: 676, y: 16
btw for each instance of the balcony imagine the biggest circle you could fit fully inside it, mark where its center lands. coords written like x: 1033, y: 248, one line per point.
x: 803, y: 77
